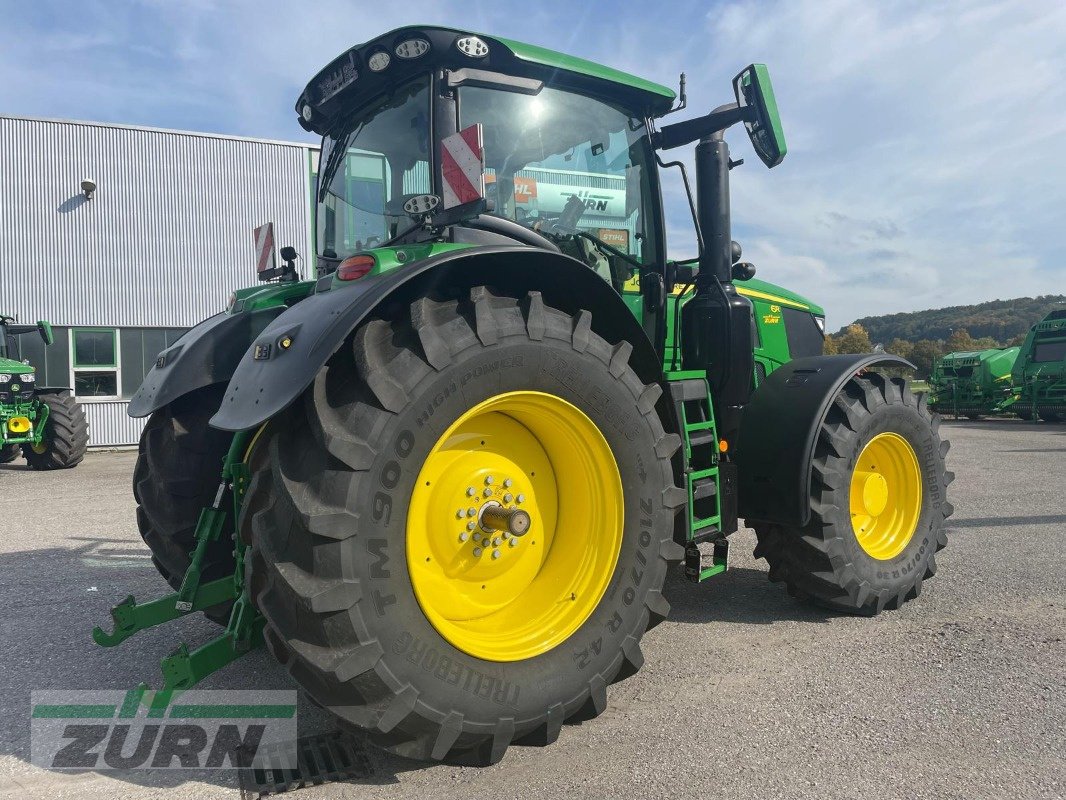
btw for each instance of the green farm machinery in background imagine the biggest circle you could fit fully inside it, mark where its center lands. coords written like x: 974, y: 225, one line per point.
x: 43, y: 424
x: 443, y: 479
x: 973, y: 384
x: 1039, y: 374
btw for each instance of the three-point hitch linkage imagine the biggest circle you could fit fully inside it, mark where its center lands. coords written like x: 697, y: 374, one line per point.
x: 183, y: 668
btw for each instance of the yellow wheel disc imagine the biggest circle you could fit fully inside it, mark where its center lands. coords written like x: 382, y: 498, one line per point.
x: 493, y: 594
x: 886, y: 496
x: 39, y: 449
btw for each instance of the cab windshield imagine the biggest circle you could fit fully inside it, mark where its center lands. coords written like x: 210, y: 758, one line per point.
x: 368, y: 172
x: 564, y: 164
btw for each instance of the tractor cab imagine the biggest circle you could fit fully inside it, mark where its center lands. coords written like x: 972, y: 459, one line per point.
x: 560, y: 160
x: 433, y: 136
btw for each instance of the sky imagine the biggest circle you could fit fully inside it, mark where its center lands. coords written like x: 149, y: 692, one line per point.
x: 925, y: 166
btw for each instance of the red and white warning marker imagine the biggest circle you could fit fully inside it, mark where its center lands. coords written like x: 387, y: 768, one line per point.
x: 462, y: 158
x: 265, y: 259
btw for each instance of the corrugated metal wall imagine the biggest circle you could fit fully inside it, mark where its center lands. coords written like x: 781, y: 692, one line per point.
x: 110, y: 426
x: 165, y: 239
x: 167, y: 235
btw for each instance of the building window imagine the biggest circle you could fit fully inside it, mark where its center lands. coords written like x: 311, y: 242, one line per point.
x: 94, y: 359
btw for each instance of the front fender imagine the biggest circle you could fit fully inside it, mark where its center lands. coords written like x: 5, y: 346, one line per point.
x: 205, y: 355
x: 779, y: 430
x: 270, y: 377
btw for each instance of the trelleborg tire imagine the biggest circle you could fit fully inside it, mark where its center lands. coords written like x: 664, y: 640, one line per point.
x: 178, y: 471
x: 878, y: 503
x: 66, y: 436
x: 363, y: 556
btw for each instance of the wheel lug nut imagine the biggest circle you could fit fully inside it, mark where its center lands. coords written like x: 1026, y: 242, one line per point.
x: 477, y: 552
x: 507, y: 483
x: 464, y: 536
x: 477, y: 537
x: 459, y: 514
x: 521, y: 498
x: 514, y: 542
x: 487, y: 492
x: 469, y: 491
x: 471, y: 512
x: 488, y: 480
x: 507, y: 498
x: 496, y: 542
x: 471, y: 525
x: 495, y: 553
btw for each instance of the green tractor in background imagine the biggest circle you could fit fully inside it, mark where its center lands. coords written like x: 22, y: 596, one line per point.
x: 45, y: 424
x: 1039, y: 374
x: 444, y: 479
x: 973, y: 384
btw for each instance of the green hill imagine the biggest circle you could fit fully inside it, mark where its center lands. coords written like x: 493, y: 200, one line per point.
x: 1002, y: 320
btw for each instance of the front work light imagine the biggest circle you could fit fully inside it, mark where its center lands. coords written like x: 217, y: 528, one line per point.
x: 379, y: 61
x: 472, y: 46
x: 412, y: 48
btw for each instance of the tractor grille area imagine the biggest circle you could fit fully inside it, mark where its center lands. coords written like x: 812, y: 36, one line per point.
x: 322, y: 758
x: 24, y: 395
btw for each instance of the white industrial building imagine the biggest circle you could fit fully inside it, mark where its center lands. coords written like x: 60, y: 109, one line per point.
x: 123, y: 237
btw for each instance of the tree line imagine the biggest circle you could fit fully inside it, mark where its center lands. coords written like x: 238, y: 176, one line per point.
x: 1001, y: 320
x: 922, y: 337
x: 922, y: 353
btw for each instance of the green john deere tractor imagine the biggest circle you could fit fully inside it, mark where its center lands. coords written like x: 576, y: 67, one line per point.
x: 444, y: 479
x: 45, y: 424
x: 1039, y: 374
x: 973, y: 383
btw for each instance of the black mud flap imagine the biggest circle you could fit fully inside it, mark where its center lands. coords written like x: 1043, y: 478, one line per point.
x: 779, y: 428
x: 205, y: 355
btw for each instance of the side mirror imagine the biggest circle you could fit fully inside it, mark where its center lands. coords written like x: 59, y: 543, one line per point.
x: 46, y: 332
x: 754, y: 91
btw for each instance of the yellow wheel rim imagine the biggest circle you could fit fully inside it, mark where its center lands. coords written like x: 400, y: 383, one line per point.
x: 886, y: 496
x: 39, y: 449
x: 492, y: 594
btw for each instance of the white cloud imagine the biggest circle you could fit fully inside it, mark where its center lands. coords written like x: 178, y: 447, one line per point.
x: 924, y: 145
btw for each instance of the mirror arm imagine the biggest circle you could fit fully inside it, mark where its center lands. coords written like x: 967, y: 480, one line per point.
x: 692, y: 130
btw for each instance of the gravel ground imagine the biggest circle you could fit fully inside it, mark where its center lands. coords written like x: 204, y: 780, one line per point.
x: 744, y: 692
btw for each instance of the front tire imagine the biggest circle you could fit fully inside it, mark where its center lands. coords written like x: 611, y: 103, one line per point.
x: 9, y: 453
x: 344, y: 528
x: 178, y: 470
x: 878, y: 503
x: 66, y: 436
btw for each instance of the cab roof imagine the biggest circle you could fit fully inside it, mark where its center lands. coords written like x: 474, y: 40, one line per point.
x: 399, y: 55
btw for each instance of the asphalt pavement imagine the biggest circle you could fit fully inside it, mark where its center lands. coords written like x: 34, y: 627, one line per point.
x: 744, y: 692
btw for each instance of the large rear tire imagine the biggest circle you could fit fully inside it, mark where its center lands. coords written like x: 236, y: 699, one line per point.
x: 363, y: 562
x: 66, y: 435
x: 878, y: 503
x: 178, y: 470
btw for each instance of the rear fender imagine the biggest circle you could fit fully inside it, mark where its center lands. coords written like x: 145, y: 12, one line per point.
x: 205, y: 355
x: 779, y: 429
x: 270, y: 377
